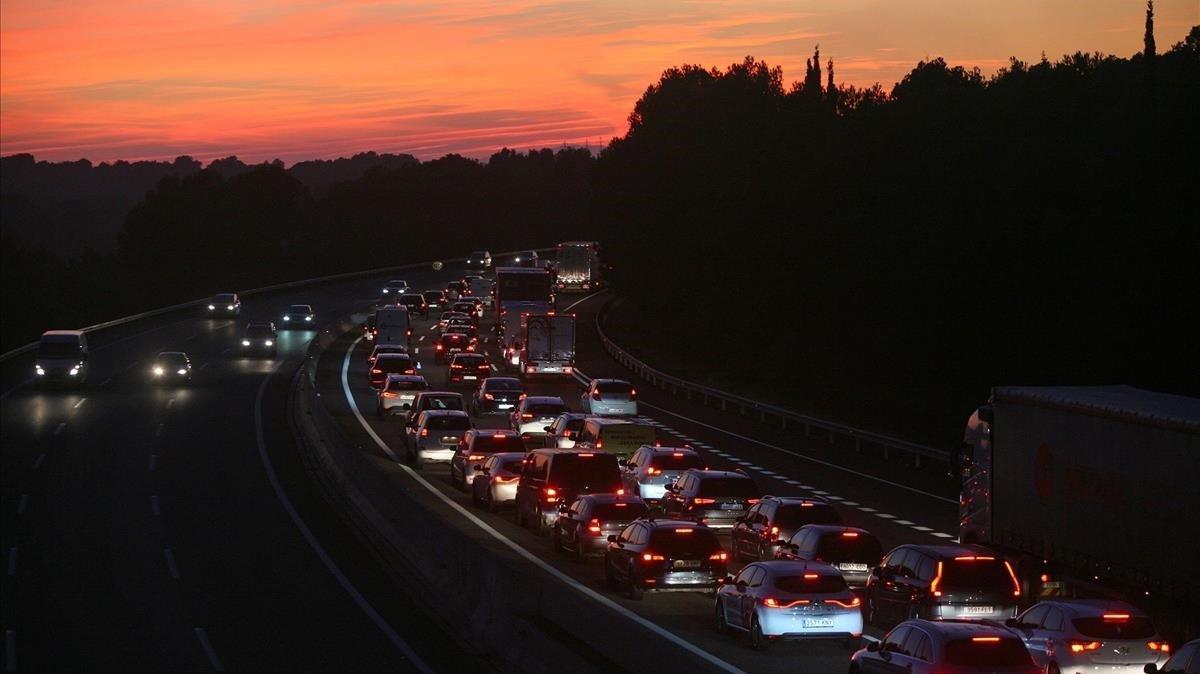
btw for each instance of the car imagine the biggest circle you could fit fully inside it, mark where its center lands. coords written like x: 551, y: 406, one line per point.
x: 553, y: 476
x: 526, y: 258
x: 444, y: 319
x: 468, y: 368
x: 368, y: 326
x: 435, y: 299
x: 415, y: 303
x: 171, y: 367
x: 563, y: 431
x: 390, y: 363
x: 477, y: 445
x: 393, y: 289
x: 855, y: 552
x: 584, y: 524
x: 479, y: 259
x: 930, y: 647
x: 434, y: 436
x: 534, y: 413
x: 757, y: 534
x: 778, y: 599
x: 648, y: 472
x: 495, y: 483
x: 299, y: 315
x: 621, y: 437
x: 664, y: 555
x: 942, y: 581
x: 433, y: 400
x: 1069, y: 635
x: 382, y: 349
x: 225, y: 304
x: 450, y: 343
x: 454, y: 289
x: 260, y: 337
x: 497, y: 395
x: 62, y: 357
x: 479, y: 302
x: 1186, y: 660
x: 465, y: 306
x: 716, y: 497
x: 398, y: 392
x: 615, y: 397
x: 466, y: 324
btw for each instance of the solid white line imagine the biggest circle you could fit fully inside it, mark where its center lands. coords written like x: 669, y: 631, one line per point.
x: 940, y: 534
x: 81, y: 401
x: 342, y: 580
x: 37, y: 463
x: 12, y: 561
x: 154, y: 505
x: 61, y: 427
x: 10, y: 650
x: 804, y: 456
x: 22, y: 504
x: 208, y: 650
x: 517, y: 548
x: 171, y: 563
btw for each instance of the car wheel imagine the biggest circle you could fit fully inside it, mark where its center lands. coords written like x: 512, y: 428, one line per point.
x: 757, y: 640
x: 762, y: 554
x: 634, y: 589
x: 722, y: 624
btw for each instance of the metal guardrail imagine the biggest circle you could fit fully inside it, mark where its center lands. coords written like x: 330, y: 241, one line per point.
x: 765, y: 412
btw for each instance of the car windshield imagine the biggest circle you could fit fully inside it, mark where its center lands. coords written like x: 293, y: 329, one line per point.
x: 614, y: 387
x: 728, y: 486
x: 834, y: 547
x: 596, y: 472
x: 681, y: 461
x: 171, y: 359
x: 1006, y: 652
x: 684, y: 542
x: 406, y: 385
x: 822, y: 584
x: 464, y: 307
x: 977, y: 574
x: 619, y: 511
x: 503, y: 385
x: 257, y: 331
x: 443, y: 403
x: 58, y: 349
x: 512, y: 465
x: 792, y: 516
x: 1098, y: 627
x: 448, y: 423
x: 225, y: 299
x: 298, y: 309
x: 478, y: 254
x: 498, y: 443
x: 545, y: 410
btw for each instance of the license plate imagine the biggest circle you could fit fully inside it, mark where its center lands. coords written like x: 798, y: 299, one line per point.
x: 818, y: 622
x: 687, y: 563
x: 504, y: 406
x: 552, y: 369
x: 978, y: 609
x: 470, y: 377
x: 731, y: 506
x: 852, y: 567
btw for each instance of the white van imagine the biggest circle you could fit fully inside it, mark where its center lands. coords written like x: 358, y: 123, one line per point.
x: 392, y: 327
x: 62, y: 357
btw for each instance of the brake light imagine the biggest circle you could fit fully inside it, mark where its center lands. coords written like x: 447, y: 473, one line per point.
x: 594, y: 526
x: 677, y: 455
x: 1083, y: 646
x: 751, y: 501
x: 620, y: 492
x: 1160, y: 646
x: 390, y: 394
x: 551, y: 494
x: 973, y: 559
x: 489, y: 396
x: 853, y: 603
x: 806, y: 504
x: 719, y: 556
x: 1013, y: 576
x: 774, y: 531
x: 455, y: 366
x: 499, y: 436
x: 586, y: 456
x: 935, y: 585
x: 850, y: 534
x: 632, y: 393
x: 651, y: 557
x: 811, y: 576
x: 376, y: 370
x: 653, y: 471
x: 477, y: 457
x: 600, y: 444
x: 526, y: 415
x: 771, y: 602
x: 703, y: 501
x: 683, y: 531
x: 1116, y: 616
x: 986, y: 640
x: 424, y: 432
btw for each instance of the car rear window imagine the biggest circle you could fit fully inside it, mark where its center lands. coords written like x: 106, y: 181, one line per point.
x: 297, y: 309
x: 863, y: 548
x: 672, y: 462
x: 503, y: 385
x: 822, y: 584
x: 512, y: 465
x: 448, y: 423
x: 684, y: 542
x: 728, y: 486
x: 1006, y: 652
x: 545, y: 410
x: 442, y: 403
x: 595, y: 472
x: 453, y: 337
x: 795, y: 515
x: 977, y: 574
x: 614, y: 387
x: 393, y: 363
x: 470, y: 361
x: 619, y: 511
x: 58, y: 349
x: 493, y: 444
x: 406, y: 386
x: 464, y: 307
x: 432, y: 294
x: 1133, y: 627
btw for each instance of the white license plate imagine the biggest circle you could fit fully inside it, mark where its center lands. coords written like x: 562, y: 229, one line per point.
x: 552, y: 369
x: 731, y: 506
x: 852, y: 567
x: 687, y: 563
x: 818, y: 622
x: 470, y: 377
x: 504, y: 406
x: 978, y: 609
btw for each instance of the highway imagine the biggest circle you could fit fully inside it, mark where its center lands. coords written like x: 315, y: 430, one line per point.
x: 143, y: 528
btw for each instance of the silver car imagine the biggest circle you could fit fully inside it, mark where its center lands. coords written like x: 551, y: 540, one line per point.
x: 435, y: 435
x: 398, y: 393
x: 609, y: 397
x: 495, y: 483
x: 648, y: 472
x: 930, y: 646
x: 534, y: 413
x: 1093, y: 635
x: 564, y: 429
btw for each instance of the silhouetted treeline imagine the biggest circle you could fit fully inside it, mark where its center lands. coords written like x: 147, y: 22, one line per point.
x: 893, y: 256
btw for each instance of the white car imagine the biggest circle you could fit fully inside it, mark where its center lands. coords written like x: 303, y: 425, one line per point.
x: 496, y: 480
x: 1069, y: 635
x: 398, y: 393
x: 609, y: 397
x: 434, y: 436
x: 534, y: 413
x: 789, y: 600
x: 299, y: 315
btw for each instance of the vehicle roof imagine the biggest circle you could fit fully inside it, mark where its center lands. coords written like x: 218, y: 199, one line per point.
x: 433, y: 292
x: 1133, y: 404
x: 953, y: 550
x: 171, y: 354
x: 613, y: 498
x: 567, y: 450
x: 602, y: 380
x: 391, y: 348
x: 224, y: 294
x: 496, y: 431
x: 461, y: 330
x: 1088, y: 607
x: 500, y: 379
x: 393, y: 376
x: 505, y: 456
x: 798, y: 499
x: 784, y: 566
x: 450, y: 314
x: 63, y: 333
x: 543, y: 400
x: 445, y: 413
x: 259, y: 324
x: 300, y: 306
x: 704, y: 474
x: 834, y: 528
x: 412, y: 294
x: 397, y: 280
x: 393, y: 356
x: 950, y: 627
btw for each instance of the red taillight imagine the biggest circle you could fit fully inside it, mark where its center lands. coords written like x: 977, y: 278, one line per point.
x: 594, y: 526
x: 526, y: 415
x: 489, y: 396
x: 811, y: 576
x: 935, y: 585
x: 1078, y: 646
x: 751, y: 501
x: 477, y: 457
x: 424, y: 432
x: 439, y: 347
x: 850, y: 534
x: 853, y: 603
x: 551, y: 494
x: 620, y: 492
x: 653, y: 471
x: 600, y: 444
x: 719, y: 556
x: 376, y: 370
x: 1160, y: 646
x: 586, y: 455
x: 986, y: 640
x: 632, y: 393
x: 455, y: 366
x: 973, y: 559
x: 772, y: 533
x: 1013, y: 576
x: 651, y: 557
x: 771, y: 602
x: 390, y: 394
x: 703, y: 501
x: 683, y: 531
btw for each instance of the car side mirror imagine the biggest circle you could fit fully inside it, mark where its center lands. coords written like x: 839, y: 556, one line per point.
x: 1012, y: 622
x: 741, y: 586
x: 612, y: 538
x: 873, y: 646
x: 727, y: 580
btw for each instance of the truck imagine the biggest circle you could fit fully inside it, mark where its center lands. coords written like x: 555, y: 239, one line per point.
x: 544, y: 344
x: 521, y: 284
x: 392, y: 327
x: 1090, y: 489
x: 577, y: 266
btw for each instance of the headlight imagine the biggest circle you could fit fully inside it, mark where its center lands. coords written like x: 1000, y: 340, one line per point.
x: 182, y: 370
x: 287, y: 318
x: 74, y: 371
x: 245, y: 342
x: 38, y: 369
x: 158, y: 371
x: 385, y: 291
x: 269, y: 343
x: 308, y: 318
x: 211, y: 307
x: 230, y: 307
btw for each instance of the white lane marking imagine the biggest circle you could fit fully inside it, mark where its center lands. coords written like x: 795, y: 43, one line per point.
x: 219, y: 326
x: 850, y: 503
x: 209, y: 653
x: 517, y: 548
x: 131, y: 366
x: 171, y: 563
x: 421, y: 338
x: 81, y: 401
x: 940, y: 534
x: 754, y: 467
x: 921, y: 528
x: 744, y: 463
x: 158, y: 431
x: 793, y: 483
x: 905, y: 523
x: 807, y: 486
x: 341, y: 578
x: 886, y: 516
x: 804, y: 456
x: 10, y: 650
x: 690, y: 439
x: 23, y: 504
x: 866, y: 509
x: 702, y: 445
x: 202, y: 366
x: 831, y: 497
x: 37, y: 463
x: 820, y: 491
x: 767, y: 472
x: 153, y: 462
x: 154, y: 505
x: 432, y: 328
x: 61, y: 427
x: 12, y: 561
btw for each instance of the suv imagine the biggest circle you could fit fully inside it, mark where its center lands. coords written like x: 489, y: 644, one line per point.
x: 299, y: 314
x: 584, y: 525
x: 497, y: 395
x: 415, y: 303
x: 479, y: 259
x: 534, y: 413
x: 225, y: 304
x: 1185, y: 661
x: 664, y: 556
x: 855, y: 552
x: 62, y: 355
x: 1089, y: 635
x: 757, y: 534
x: 434, y: 436
x: 553, y: 476
x: 390, y: 363
x: 260, y: 336
x: 717, y: 498
x: 925, y: 647
x: 394, y: 288
x: 468, y: 368
x: 434, y: 299
x: 942, y: 581
x: 648, y: 472
x: 564, y: 429
x: 477, y: 445
x: 398, y: 393
x: 610, y: 397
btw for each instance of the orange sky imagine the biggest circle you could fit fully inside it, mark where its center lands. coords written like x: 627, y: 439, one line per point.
x: 299, y: 79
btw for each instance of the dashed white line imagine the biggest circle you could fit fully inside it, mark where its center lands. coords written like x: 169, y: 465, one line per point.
x: 850, y: 503
x: 170, y: 556
x: 753, y: 467
x: 209, y: 653
x: 866, y: 509
x: 820, y: 492
x: 793, y: 483
x: 809, y: 487
x: 940, y: 534
x: 81, y: 401
x: 767, y: 472
x: 61, y: 427
x: 921, y: 528
x: 22, y: 504
x: 886, y: 516
x: 12, y: 561
x: 154, y: 505
x: 170, y: 403
x: 701, y: 445
x: 831, y: 497
x: 905, y: 523
x: 744, y: 463
x: 421, y: 338
x: 37, y: 463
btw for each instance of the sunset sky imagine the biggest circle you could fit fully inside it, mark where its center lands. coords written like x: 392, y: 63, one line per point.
x: 138, y: 79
